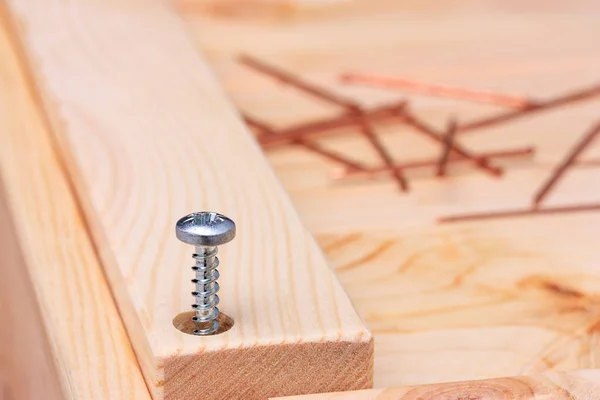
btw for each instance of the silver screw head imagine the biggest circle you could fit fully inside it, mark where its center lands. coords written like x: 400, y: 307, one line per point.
x: 205, y: 229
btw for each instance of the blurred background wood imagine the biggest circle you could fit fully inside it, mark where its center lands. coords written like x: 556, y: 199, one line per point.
x: 576, y: 385
x: 27, y: 368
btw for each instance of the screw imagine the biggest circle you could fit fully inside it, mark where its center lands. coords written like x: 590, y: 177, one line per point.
x: 206, y: 231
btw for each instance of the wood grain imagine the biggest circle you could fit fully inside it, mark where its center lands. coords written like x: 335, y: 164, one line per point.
x: 450, y: 302
x: 61, y: 334
x: 577, y: 385
x: 148, y: 136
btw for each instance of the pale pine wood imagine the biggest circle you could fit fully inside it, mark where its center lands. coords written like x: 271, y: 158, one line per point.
x: 25, y: 353
x: 577, y: 385
x: 61, y: 334
x: 148, y: 137
x: 445, y: 302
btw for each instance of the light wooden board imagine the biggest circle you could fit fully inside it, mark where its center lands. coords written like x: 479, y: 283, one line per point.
x: 25, y: 353
x: 445, y: 302
x: 61, y: 334
x: 577, y: 385
x: 148, y: 136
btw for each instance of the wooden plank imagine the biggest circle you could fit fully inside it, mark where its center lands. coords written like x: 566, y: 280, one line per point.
x: 441, y: 299
x: 61, y: 335
x: 25, y: 353
x: 148, y: 137
x: 576, y: 385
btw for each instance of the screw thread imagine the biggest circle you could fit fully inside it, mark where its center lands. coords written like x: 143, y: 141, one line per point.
x: 205, y: 295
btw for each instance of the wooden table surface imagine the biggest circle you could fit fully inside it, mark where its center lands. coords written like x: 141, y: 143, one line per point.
x: 445, y: 302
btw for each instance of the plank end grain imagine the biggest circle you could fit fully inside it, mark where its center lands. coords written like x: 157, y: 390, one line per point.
x: 286, y: 368
x: 148, y: 136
